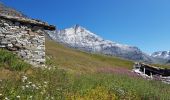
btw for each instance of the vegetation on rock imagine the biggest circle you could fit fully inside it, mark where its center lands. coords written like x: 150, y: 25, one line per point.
x: 12, y: 61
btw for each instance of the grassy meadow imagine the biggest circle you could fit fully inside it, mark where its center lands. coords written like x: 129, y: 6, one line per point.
x: 74, y: 75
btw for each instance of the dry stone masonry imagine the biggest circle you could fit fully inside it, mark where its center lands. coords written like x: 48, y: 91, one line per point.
x: 24, y: 37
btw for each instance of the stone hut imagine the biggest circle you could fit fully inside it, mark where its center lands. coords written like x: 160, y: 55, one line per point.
x: 25, y: 37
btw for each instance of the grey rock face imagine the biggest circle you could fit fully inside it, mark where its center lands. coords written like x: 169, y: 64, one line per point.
x: 161, y: 54
x: 82, y: 39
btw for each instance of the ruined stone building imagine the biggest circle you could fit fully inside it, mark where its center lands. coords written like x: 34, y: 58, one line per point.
x: 25, y: 37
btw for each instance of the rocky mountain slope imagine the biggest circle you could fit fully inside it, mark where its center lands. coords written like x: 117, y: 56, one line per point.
x: 161, y: 54
x: 82, y: 39
x: 10, y: 11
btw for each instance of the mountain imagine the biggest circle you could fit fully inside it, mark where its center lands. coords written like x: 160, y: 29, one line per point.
x: 10, y: 11
x: 82, y: 39
x: 161, y: 54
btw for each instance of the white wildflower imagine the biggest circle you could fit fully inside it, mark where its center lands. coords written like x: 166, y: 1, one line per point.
x: 45, y: 82
x: 37, y: 88
x: 58, y: 89
x: 30, y: 97
x: 49, y: 68
x: 27, y: 86
x: 33, y: 85
x: 18, y: 96
x: 42, y: 92
x: 45, y: 85
x: 45, y: 67
x: 0, y: 94
x: 24, y: 78
x: 23, y: 87
x: 29, y: 82
x: 52, y: 98
x: 6, y: 98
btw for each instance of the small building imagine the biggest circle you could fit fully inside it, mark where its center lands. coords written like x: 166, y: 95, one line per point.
x: 151, y: 70
x: 25, y: 37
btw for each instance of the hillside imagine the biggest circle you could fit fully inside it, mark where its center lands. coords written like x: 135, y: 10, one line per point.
x: 76, y: 60
x: 85, y: 76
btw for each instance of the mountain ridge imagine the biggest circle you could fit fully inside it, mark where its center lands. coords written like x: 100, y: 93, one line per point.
x: 161, y: 54
x: 80, y: 38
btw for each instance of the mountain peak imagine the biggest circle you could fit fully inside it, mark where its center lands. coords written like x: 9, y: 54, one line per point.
x: 83, y: 39
x: 76, y: 26
x: 161, y: 54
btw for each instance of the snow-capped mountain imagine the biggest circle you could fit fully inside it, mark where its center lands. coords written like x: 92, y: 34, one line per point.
x: 161, y: 54
x: 82, y: 39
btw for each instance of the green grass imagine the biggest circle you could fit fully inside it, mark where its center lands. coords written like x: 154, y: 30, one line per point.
x: 162, y: 66
x: 12, y: 61
x: 74, y: 75
x: 45, y: 84
x: 75, y: 60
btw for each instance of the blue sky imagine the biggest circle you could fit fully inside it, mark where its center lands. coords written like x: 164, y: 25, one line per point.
x: 141, y: 23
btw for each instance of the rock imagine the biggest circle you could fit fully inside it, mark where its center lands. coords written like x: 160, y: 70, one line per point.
x: 25, y: 37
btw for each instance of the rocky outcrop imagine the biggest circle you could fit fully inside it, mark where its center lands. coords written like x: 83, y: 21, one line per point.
x: 25, y: 37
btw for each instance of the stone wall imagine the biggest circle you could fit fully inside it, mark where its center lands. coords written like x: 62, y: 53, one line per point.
x: 26, y: 40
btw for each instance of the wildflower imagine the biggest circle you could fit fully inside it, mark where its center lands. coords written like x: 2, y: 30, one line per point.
x: 47, y: 97
x: 49, y: 68
x: 24, y: 78
x: 37, y: 88
x: 33, y: 85
x: 29, y: 82
x: 45, y: 82
x: 121, y: 91
x: 0, y: 80
x: 52, y: 98
x: 45, y: 67
x: 18, y: 96
x: 27, y: 86
x: 0, y: 94
x: 23, y: 87
x: 58, y: 89
x: 42, y: 92
x: 30, y: 97
x: 6, y: 98
x: 45, y: 85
